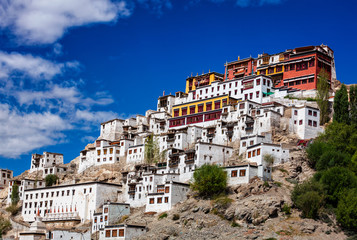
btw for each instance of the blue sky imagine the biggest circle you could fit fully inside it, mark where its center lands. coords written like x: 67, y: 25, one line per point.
x: 68, y: 65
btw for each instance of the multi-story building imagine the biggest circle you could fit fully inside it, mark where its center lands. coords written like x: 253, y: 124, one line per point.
x: 122, y: 232
x: 5, y: 176
x: 46, y: 160
x: 73, y: 202
x: 24, y: 184
x: 110, y: 214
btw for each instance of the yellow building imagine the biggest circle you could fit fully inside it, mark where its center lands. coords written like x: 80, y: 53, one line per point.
x: 202, y: 80
x: 203, y: 105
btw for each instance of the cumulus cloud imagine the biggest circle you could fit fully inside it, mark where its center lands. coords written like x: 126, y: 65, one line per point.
x: 35, y: 113
x: 21, y: 132
x: 31, y: 66
x: 44, y: 21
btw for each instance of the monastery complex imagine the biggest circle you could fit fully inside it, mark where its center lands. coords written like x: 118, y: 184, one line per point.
x: 227, y: 119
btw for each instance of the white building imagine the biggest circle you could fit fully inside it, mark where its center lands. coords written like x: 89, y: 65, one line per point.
x: 5, y: 176
x: 23, y: 185
x: 45, y: 160
x: 305, y: 122
x: 110, y: 214
x: 75, y: 202
x: 243, y: 173
x: 166, y: 196
x: 68, y: 234
x: 122, y: 232
x: 257, y: 152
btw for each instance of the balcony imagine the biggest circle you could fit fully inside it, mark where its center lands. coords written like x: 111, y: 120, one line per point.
x: 190, y: 161
x: 68, y: 216
x: 173, y: 164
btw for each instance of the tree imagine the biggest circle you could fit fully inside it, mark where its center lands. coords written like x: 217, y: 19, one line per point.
x: 15, y: 198
x: 322, y: 96
x: 50, y: 179
x: 209, y: 180
x: 152, y: 150
x: 314, y: 151
x: 269, y: 159
x: 336, y: 182
x: 353, y: 104
x: 308, y: 197
x: 5, y: 226
x: 340, y: 106
x: 347, y: 210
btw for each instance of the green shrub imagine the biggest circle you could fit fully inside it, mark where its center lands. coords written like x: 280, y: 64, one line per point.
x: 234, y: 224
x: 336, y: 182
x: 307, y: 186
x: 286, y: 209
x: 209, y: 180
x: 332, y: 158
x: 266, y: 184
x: 163, y: 215
x: 5, y: 226
x: 223, y: 201
x: 50, y: 179
x: 15, y: 198
x: 314, y: 152
x: 347, y: 210
x: 13, y: 209
x: 309, y: 203
x: 176, y: 217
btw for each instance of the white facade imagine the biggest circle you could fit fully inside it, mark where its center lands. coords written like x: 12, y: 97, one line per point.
x: 5, y: 176
x: 122, y: 232
x: 305, y: 122
x: 76, y: 202
x: 256, y: 153
x: 110, y: 214
x: 65, y: 234
x: 46, y: 160
x: 166, y: 196
x: 241, y: 174
x: 23, y: 185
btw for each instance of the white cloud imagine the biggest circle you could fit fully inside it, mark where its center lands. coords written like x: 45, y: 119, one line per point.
x: 34, y: 67
x: 45, y: 21
x: 23, y: 132
x: 36, y: 113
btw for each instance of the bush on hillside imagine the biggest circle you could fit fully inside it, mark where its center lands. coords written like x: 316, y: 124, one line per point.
x: 347, y: 210
x: 309, y: 203
x: 314, y: 152
x: 332, y: 158
x: 336, y: 181
x: 5, y: 226
x: 209, y: 180
x: 51, y: 179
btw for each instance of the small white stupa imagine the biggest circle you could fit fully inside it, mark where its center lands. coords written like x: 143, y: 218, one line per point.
x: 37, y: 230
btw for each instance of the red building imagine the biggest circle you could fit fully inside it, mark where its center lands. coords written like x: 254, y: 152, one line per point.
x: 295, y: 68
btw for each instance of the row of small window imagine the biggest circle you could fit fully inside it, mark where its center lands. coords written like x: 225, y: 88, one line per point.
x: 158, y: 200
x: 309, y: 122
x: 114, y: 233
x: 4, y: 175
x: 254, y: 153
x: 299, y: 82
x: 101, y: 219
x: 105, y: 159
x: 217, y: 105
x: 134, y: 150
x: 244, y: 144
x: 310, y: 113
x: 105, y: 151
x: 44, y: 203
x: 58, y: 193
x: 234, y: 173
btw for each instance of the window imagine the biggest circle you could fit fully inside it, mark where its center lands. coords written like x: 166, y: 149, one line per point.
x: 111, y: 150
x: 257, y: 94
x: 184, y: 111
x: 253, y: 153
x: 315, y: 124
x: 200, y: 108
x: 121, y: 232
x: 209, y: 106
x: 249, y: 154
x: 192, y: 109
x: 106, y: 218
x: 300, y: 122
x: 217, y: 105
x: 310, y: 123
x: 315, y: 114
x: 98, y: 152
x: 176, y: 112
x: 105, y: 151
x: 107, y: 233
x: 310, y: 112
x: 105, y: 210
x: 258, y: 151
x: 295, y: 112
x: 159, y: 200
x: 166, y: 199
x: 242, y: 173
x: 258, y: 82
x: 151, y: 201
x: 244, y: 144
x: 115, y: 233
x: 95, y: 220
x: 167, y: 189
x: 234, y: 173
